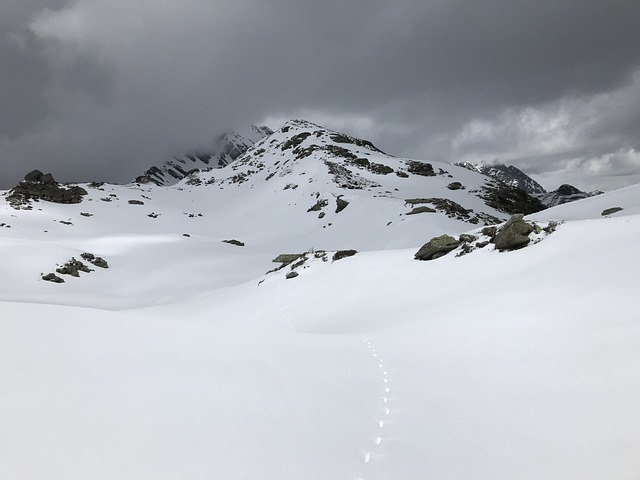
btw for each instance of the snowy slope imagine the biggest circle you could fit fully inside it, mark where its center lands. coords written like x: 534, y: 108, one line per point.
x: 184, y: 359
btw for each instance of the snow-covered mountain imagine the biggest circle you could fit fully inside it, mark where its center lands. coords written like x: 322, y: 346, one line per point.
x: 226, y: 149
x: 517, y: 178
x: 174, y: 354
x: 565, y: 194
x: 507, y: 174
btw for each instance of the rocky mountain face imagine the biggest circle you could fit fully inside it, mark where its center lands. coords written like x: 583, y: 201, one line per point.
x: 303, y: 186
x: 565, y: 194
x: 227, y: 148
x: 515, y: 177
x: 507, y: 174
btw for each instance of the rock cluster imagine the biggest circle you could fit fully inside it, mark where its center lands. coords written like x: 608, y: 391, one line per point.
x: 513, y: 235
x: 42, y: 186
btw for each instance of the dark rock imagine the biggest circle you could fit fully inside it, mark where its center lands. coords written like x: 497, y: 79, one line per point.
x: 287, y: 258
x: 85, y: 214
x: 510, y: 199
x: 340, y: 254
x: 362, y: 162
x: 489, y: 231
x: 483, y: 244
x: 136, y: 202
x: 513, y: 235
x: 292, y: 274
x: 466, y: 238
x: 402, y: 174
x: 235, y: 242
x: 437, y: 247
x: 73, y: 267
x: 455, y: 186
x: 422, y: 209
x: 380, y: 169
x: 52, y: 277
x: 420, y: 168
x: 551, y: 227
x: 38, y: 186
x: 97, y: 261
x: 321, y: 215
x: 341, y: 204
x: 320, y: 204
x: 611, y: 211
x: 33, y: 176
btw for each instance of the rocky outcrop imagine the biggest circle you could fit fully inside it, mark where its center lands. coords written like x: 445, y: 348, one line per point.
x: 42, y: 186
x: 611, y: 211
x: 73, y: 267
x: 507, y: 174
x: 97, y: 261
x: 340, y: 254
x: 341, y: 204
x: 509, y: 199
x: 437, y: 247
x: 513, y: 235
x: 235, y: 242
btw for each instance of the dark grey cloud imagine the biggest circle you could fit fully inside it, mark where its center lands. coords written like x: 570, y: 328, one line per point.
x: 104, y: 88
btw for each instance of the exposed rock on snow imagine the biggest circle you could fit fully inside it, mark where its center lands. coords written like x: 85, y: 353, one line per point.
x: 97, y: 261
x: 73, y: 267
x: 226, y: 149
x: 235, y: 242
x: 437, y: 247
x: 565, y: 194
x: 53, y: 278
x: 514, y: 234
x: 340, y: 254
x: 39, y: 186
x: 341, y: 204
x: 509, y: 199
x: 287, y: 258
x: 507, y: 174
x: 611, y: 211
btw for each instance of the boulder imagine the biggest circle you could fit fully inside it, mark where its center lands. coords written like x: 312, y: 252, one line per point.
x: 341, y: 204
x: 610, y: 211
x: 422, y: 209
x: 437, y: 247
x: 513, y: 235
x: 340, y: 254
x: 235, y: 242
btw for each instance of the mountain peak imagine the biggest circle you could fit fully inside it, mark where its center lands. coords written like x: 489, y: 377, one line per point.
x: 228, y: 147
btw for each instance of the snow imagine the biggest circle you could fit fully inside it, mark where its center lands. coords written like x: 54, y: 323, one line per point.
x: 184, y: 360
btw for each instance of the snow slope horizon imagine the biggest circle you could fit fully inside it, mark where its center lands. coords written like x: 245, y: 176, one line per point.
x: 184, y: 360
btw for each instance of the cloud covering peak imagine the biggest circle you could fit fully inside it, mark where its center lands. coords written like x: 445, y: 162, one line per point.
x: 103, y: 89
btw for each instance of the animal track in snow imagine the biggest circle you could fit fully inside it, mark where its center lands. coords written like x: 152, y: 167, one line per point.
x: 385, y: 413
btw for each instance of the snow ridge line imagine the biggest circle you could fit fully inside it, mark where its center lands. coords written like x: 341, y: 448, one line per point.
x: 379, y: 438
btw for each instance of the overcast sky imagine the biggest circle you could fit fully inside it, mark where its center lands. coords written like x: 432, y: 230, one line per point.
x: 102, y: 89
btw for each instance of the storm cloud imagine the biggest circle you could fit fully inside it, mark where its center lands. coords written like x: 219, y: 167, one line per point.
x: 102, y: 89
